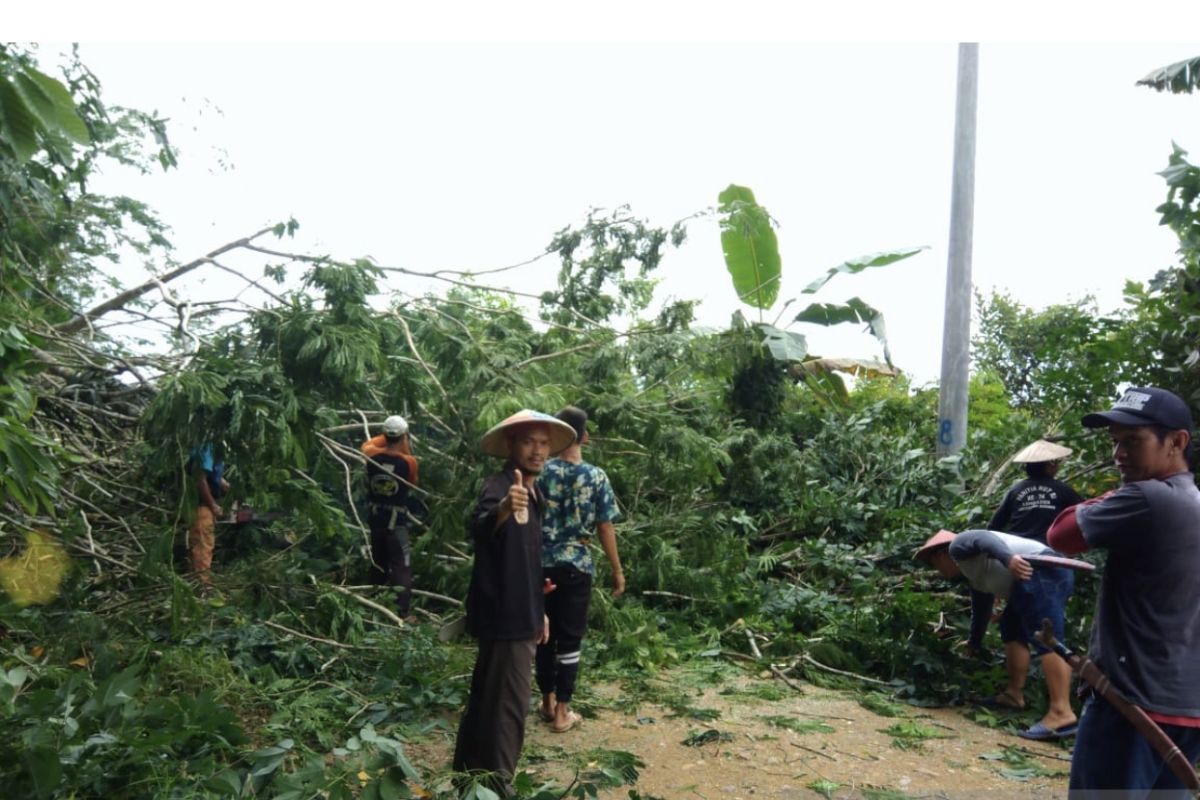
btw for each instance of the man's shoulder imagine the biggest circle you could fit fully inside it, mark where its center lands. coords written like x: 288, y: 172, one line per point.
x: 499, y: 479
x: 559, y: 468
x: 1171, y: 490
x: 593, y: 470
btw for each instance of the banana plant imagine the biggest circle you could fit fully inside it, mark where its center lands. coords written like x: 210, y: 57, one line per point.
x: 752, y: 257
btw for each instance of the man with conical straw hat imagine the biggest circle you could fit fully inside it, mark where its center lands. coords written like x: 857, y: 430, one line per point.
x: 1032, y: 504
x: 505, y: 609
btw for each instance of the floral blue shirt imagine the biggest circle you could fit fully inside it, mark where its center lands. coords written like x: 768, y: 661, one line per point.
x: 578, y: 498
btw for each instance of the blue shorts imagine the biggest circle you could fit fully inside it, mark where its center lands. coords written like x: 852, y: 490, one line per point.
x: 1043, y: 596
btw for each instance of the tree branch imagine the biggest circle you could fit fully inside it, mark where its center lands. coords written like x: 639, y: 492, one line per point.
x: 81, y: 321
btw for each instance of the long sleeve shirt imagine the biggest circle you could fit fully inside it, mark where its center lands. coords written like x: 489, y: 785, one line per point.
x: 983, y: 557
x: 504, y: 600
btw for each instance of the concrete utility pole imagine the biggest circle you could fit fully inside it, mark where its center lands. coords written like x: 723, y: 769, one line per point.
x: 956, y: 330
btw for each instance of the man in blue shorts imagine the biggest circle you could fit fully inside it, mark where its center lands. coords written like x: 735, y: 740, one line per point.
x: 1001, y: 564
x: 1146, y: 633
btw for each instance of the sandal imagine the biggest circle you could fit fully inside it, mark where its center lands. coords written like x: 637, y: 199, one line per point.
x: 1040, y: 733
x: 573, y: 719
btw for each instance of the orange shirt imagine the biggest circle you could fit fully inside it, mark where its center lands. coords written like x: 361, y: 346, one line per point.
x: 379, y: 445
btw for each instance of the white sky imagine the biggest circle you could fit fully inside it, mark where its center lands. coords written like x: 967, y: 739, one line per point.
x: 471, y: 156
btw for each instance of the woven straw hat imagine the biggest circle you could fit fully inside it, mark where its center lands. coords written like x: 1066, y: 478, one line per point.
x: 940, y: 538
x: 495, y: 441
x: 1041, y: 450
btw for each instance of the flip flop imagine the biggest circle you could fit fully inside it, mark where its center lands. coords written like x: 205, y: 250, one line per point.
x: 1039, y: 732
x: 544, y: 716
x: 1001, y: 700
x: 573, y: 719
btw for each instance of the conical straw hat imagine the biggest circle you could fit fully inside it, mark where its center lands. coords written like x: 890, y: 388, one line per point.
x: 495, y: 441
x: 1041, y: 450
x: 933, y: 542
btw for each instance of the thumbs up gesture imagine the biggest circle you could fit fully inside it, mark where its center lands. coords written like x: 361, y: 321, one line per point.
x: 518, y: 499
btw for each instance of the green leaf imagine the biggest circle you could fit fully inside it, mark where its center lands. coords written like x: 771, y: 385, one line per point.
x: 120, y: 688
x: 44, y: 769
x: 784, y: 345
x: 63, y: 112
x: 853, y: 310
x: 18, y: 124
x: 227, y: 782
x: 16, y: 677
x: 831, y: 384
x: 751, y: 249
x: 861, y: 263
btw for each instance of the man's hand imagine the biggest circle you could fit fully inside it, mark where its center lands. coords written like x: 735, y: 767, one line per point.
x: 545, y: 635
x: 548, y: 587
x: 518, y: 498
x: 216, y: 509
x: 968, y: 650
x: 618, y: 584
x: 1020, y: 568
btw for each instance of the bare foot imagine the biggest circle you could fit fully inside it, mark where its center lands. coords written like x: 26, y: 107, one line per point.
x: 564, y: 722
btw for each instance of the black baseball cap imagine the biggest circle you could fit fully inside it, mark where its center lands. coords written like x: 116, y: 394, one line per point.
x: 1144, y: 406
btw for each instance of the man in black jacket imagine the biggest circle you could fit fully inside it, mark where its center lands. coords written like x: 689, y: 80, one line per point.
x: 505, y: 610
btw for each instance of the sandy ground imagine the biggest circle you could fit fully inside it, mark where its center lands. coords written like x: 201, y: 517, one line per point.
x: 748, y: 755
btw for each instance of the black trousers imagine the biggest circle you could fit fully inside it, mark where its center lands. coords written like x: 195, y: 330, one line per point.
x: 567, y: 608
x: 492, y: 730
x: 391, y: 562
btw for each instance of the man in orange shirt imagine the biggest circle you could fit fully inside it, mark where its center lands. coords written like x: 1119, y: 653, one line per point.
x: 391, y: 474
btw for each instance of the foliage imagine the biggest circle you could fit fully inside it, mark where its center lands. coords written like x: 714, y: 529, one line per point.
x: 596, y: 258
x: 1019, y: 765
x: 824, y: 787
x: 764, y: 500
x: 36, y: 112
x: 881, y: 705
x: 909, y: 735
x: 798, y: 725
x: 752, y: 258
x: 751, y: 249
x: 1182, y: 77
x: 1166, y: 310
x: 1059, y: 358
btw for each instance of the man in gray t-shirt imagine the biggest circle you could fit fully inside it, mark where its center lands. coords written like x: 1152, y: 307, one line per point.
x: 1146, y: 633
x: 1014, y: 567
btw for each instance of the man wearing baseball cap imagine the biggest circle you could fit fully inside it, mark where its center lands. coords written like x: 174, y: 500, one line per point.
x: 505, y: 608
x: 1146, y: 632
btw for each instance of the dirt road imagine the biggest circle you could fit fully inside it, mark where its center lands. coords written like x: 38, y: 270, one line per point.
x: 748, y: 738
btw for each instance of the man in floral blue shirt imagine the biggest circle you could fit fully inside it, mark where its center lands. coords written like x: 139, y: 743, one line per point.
x: 579, y: 504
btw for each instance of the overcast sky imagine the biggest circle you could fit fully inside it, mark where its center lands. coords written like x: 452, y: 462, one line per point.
x: 471, y: 156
